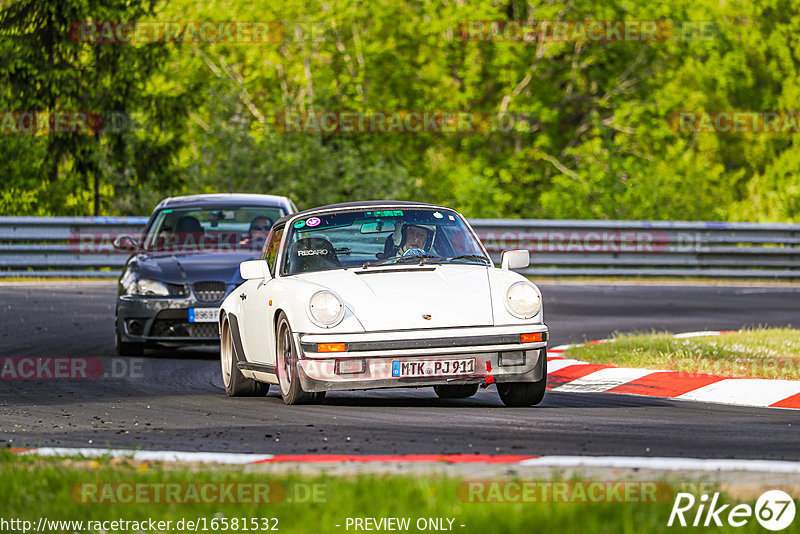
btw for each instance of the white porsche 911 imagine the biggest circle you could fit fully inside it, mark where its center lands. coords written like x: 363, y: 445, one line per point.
x: 382, y: 294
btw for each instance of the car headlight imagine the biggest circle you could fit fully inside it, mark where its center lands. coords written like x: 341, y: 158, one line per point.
x: 150, y: 288
x: 523, y: 300
x: 326, y: 308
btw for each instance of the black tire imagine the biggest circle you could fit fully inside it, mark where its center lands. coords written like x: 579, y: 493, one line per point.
x: 236, y: 384
x: 286, y: 359
x: 125, y: 348
x: 517, y: 394
x: 461, y: 391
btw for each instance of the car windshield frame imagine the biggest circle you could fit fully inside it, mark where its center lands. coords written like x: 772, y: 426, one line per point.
x: 236, y: 246
x: 291, y: 230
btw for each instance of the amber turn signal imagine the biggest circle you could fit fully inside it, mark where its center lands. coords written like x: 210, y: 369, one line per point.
x: 331, y: 347
x: 531, y: 338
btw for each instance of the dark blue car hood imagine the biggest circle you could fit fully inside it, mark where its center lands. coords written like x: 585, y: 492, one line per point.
x: 182, y: 268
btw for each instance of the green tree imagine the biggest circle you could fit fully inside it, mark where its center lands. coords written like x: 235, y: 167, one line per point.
x: 45, y: 68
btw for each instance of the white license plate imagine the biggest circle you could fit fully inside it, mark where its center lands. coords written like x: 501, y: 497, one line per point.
x: 421, y: 368
x: 203, y: 315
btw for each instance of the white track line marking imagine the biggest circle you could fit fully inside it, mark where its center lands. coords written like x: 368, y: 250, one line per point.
x: 745, y: 391
x: 161, y: 456
x: 697, y: 334
x: 618, y: 462
x: 556, y: 365
x: 604, y: 379
x: 669, y: 464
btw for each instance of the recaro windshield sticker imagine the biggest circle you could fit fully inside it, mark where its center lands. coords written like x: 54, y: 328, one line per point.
x: 313, y: 221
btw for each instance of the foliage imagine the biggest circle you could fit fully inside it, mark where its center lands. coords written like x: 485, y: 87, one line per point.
x: 596, y: 141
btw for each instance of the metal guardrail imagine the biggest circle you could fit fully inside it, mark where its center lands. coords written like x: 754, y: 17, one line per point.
x: 648, y: 248
x: 53, y: 247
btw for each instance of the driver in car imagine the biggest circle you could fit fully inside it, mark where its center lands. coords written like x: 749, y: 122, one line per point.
x: 258, y: 232
x: 414, y: 239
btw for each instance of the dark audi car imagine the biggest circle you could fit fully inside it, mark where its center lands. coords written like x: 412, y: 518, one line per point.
x: 185, y: 263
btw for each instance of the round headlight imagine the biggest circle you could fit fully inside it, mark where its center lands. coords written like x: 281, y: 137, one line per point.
x: 326, y: 308
x: 151, y: 288
x: 523, y: 300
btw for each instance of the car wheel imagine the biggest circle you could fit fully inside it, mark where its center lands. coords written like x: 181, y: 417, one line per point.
x: 524, y: 393
x: 236, y: 384
x: 127, y: 349
x: 287, y: 360
x: 461, y: 391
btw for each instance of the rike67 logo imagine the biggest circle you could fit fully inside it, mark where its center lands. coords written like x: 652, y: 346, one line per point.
x: 774, y: 510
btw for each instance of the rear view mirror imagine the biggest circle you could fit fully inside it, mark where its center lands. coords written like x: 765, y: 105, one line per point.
x: 254, y: 269
x: 515, y: 259
x: 377, y: 227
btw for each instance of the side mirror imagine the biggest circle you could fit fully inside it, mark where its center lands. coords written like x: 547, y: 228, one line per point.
x: 254, y: 269
x: 125, y: 243
x: 515, y: 259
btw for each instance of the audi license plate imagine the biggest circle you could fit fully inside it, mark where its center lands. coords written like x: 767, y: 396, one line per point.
x: 419, y: 368
x: 203, y: 315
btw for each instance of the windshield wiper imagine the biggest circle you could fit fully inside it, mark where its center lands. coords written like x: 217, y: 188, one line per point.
x: 476, y: 257
x: 399, y: 259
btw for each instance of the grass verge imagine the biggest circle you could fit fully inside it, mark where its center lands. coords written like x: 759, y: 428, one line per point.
x: 56, y: 489
x: 759, y: 353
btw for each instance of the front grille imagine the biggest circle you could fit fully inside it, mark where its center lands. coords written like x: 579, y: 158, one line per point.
x: 182, y: 328
x: 209, y: 291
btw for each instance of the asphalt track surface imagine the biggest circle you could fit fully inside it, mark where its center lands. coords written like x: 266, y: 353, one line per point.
x: 175, y: 401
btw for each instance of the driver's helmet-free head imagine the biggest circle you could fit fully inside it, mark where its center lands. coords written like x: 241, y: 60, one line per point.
x: 260, y: 224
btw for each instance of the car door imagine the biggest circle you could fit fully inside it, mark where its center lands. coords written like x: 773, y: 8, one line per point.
x: 258, y: 327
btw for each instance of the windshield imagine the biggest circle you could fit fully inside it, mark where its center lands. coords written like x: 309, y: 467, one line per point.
x: 367, y: 238
x: 211, y: 229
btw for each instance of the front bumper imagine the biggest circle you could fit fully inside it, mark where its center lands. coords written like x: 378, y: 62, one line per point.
x: 497, y: 351
x: 164, y: 321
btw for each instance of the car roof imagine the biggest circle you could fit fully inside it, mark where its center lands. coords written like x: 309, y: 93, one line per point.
x: 360, y: 204
x: 225, y: 199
